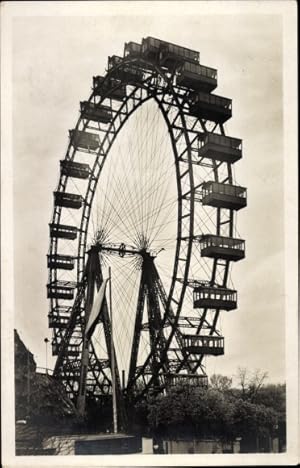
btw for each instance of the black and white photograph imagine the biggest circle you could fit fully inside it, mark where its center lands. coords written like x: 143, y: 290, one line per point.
x: 149, y: 233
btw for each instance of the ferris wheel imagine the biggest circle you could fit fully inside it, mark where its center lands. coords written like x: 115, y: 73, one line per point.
x: 147, y: 191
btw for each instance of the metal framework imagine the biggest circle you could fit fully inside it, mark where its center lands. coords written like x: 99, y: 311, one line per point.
x: 173, y: 78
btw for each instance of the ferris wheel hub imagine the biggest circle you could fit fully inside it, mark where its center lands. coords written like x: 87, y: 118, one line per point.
x: 125, y: 250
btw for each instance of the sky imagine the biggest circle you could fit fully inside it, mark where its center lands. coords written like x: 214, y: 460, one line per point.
x: 54, y: 59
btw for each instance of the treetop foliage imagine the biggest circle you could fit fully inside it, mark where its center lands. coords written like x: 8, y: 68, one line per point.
x: 221, y: 410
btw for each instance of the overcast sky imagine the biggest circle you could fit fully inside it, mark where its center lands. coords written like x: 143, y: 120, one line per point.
x: 54, y: 60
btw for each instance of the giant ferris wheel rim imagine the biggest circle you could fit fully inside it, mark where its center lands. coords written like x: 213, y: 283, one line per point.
x: 94, y: 176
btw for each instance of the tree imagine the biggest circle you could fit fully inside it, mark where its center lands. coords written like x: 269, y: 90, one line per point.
x: 175, y: 412
x: 249, y: 418
x: 190, y: 412
x: 250, y: 383
x: 255, y: 425
x: 273, y: 396
x: 220, y: 382
x: 251, y: 411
